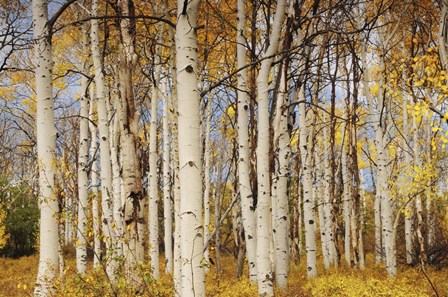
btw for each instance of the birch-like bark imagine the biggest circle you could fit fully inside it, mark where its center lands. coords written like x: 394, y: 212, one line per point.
x: 308, y: 201
x: 175, y: 169
x: 103, y: 131
x: 247, y: 201
x: 167, y: 204
x: 190, y: 163
x: 443, y: 34
x: 153, y: 209
x: 46, y: 145
x: 263, y: 231
x: 332, y: 252
x: 319, y: 190
x: 217, y: 194
x: 207, y: 156
x: 95, y: 184
x: 408, y: 218
x: 83, y: 158
x: 281, y: 208
x: 128, y: 121
x: 346, y: 199
x: 116, y: 180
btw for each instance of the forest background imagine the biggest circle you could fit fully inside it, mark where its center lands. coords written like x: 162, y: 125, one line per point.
x: 153, y: 148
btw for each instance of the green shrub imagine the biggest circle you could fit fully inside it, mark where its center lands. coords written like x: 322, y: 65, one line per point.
x: 22, y: 219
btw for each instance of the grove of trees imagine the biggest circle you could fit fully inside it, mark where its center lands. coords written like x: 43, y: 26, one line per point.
x: 162, y: 134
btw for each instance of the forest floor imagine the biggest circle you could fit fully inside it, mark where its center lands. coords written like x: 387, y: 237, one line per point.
x: 18, y: 277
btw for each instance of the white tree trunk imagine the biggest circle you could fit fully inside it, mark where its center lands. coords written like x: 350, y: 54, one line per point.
x: 320, y: 180
x: 94, y: 182
x: 103, y: 131
x: 281, y: 218
x: 175, y: 169
x: 263, y: 231
x: 190, y: 163
x: 247, y: 202
x: 153, y: 209
x: 130, y: 164
x: 167, y: 205
x: 46, y: 145
x: 333, y: 258
x: 346, y: 199
x: 83, y: 158
x: 116, y: 181
x: 207, y: 156
x: 308, y: 201
x: 408, y: 218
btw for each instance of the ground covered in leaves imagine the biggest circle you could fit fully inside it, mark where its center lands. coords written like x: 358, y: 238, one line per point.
x: 18, y: 276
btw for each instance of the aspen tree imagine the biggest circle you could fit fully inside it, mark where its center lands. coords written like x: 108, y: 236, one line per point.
x: 167, y: 204
x: 207, y: 156
x: 247, y: 201
x: 281, y: 209
x: 134, y: 221
x: 103, y: 133
x: 308, y: 201
x: 153, y: 189
x: 263, y: 231
x: 83, y: 157
x: 96, y: 218
x: 175, y: 168
x: 46, y: 145
x: 190, y: 164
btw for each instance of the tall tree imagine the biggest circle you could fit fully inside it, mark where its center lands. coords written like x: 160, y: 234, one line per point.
x: 190, y: 164
x: 46, y: 145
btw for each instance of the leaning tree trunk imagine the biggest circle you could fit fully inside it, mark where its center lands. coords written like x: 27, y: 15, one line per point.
x: 46, y: 145
x: 190, y: 159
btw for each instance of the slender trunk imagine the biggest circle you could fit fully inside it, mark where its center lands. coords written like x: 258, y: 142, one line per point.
x: 247, y: 200
x: 332, y: 253
x: 96, y: 218
x: 167, y: 204
x: 217, y: 194
x: 263, y: 231
x: 207, y: 156
x: 409, y: 211
x: 308, y: 201
x: 153, y: 189
x: 319, y: 196
x: 281, y: 137
x: 103, y: 131
x: 83, y: 157
x: 175, y: 176
x: 346, y: 198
